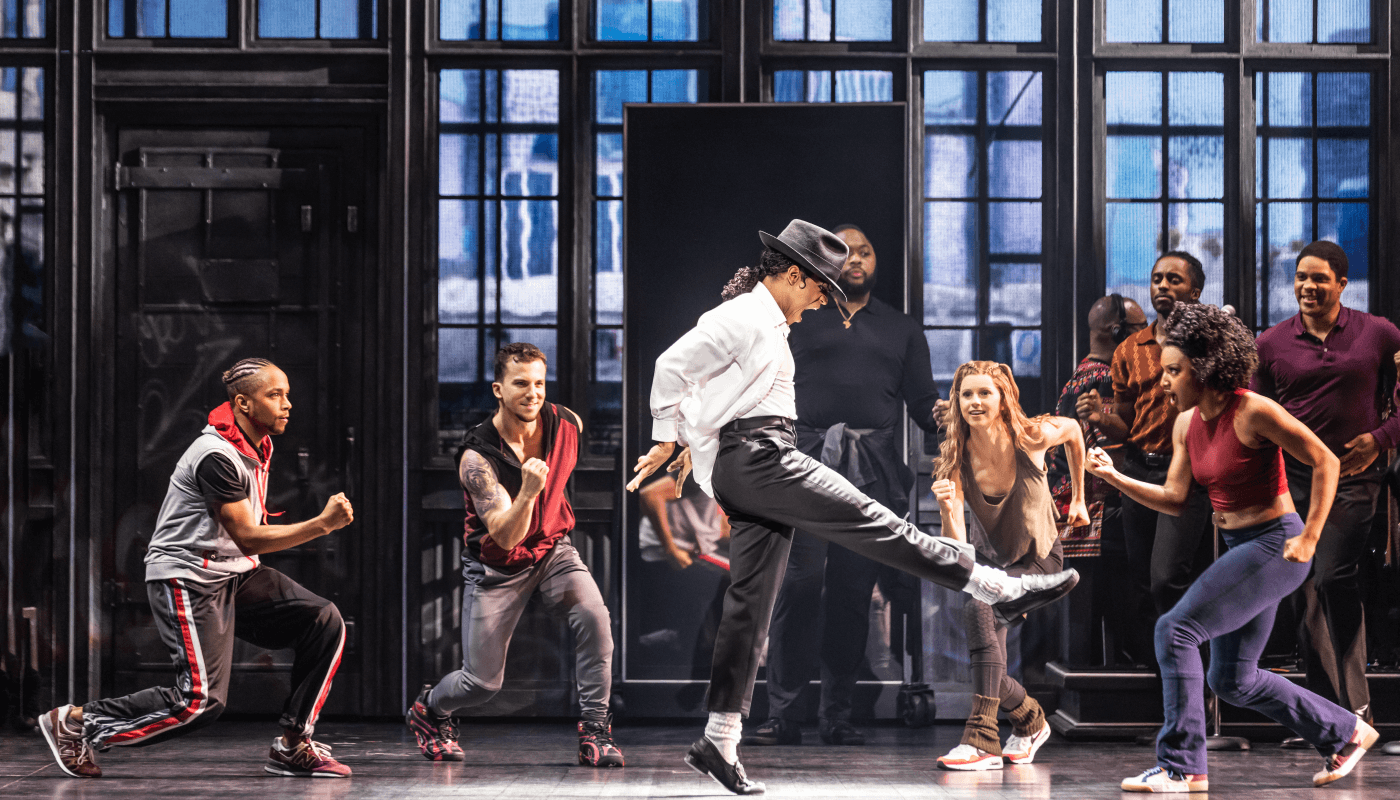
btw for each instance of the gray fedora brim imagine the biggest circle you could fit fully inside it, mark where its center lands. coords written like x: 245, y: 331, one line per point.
x: 804, y: 261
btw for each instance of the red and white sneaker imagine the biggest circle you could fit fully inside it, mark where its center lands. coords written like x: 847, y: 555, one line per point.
x: 437, y: 736
x: 307, y: 759
x: 69, y: 746
x: 1165, y: 781
x: 1339, y: 764
x: 965, y: 757
x: 1022, y: 749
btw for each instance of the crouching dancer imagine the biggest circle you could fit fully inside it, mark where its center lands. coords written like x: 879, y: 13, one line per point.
x: 1232, y: 441
x: 726, y: 390
x: 206, y: 587
x: 515, y: 469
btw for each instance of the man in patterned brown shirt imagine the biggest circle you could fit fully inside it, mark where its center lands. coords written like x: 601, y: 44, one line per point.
x: 1166, y: 552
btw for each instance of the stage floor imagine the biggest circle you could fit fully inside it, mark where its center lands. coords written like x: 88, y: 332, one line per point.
x: 535, y: 760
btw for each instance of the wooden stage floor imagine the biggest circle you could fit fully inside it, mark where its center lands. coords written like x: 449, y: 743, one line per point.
x: 535, y: 760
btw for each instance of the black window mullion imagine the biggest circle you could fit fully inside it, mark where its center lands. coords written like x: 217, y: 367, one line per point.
x: 1164, y: 191
x: 1265, y: 256
x: 984, y: 218
x: 1316, y: 131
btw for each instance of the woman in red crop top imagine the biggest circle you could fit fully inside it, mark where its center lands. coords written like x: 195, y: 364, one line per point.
x: 1229, y: 440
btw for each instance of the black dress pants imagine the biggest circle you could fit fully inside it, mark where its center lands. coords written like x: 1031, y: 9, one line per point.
x: 1328, y: 607
x: 768, y: 488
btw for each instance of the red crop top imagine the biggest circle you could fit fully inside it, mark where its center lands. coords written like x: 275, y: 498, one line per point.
x: 1235, y: 476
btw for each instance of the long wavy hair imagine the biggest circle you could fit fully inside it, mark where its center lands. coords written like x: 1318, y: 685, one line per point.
x: 771, y: 262
x: 1027, y: 432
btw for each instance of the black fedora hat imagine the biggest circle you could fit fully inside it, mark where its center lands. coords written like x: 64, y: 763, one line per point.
x: 819, y: 252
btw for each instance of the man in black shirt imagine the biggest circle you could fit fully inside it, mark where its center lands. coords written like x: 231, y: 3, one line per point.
x: 855, y: 362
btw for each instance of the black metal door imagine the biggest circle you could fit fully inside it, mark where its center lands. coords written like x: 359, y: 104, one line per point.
x: 230, y: 246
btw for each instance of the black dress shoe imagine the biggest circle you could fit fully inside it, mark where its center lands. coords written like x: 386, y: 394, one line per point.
x: 1040, y: 590
x: 774, y: 731
x: 705, y: 759
x: 839, y: 731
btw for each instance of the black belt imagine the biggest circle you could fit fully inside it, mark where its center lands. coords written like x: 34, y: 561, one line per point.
x: 750, y: 423
x: 1150, y: 460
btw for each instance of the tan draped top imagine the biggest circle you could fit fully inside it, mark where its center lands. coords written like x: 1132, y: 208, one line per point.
x: 1004, y: 529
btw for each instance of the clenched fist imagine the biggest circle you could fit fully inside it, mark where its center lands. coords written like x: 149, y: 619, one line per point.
x: 946, y: 493
x: 1097, y: 462
x: 1089, y: 407
x: 338, y: 512
x: 532, y: 477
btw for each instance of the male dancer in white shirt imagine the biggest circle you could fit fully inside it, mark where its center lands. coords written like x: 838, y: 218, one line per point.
x: 725, y: 390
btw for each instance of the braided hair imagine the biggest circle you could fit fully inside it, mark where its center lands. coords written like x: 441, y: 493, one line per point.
x: 242, y: 378
x: 771, y: 262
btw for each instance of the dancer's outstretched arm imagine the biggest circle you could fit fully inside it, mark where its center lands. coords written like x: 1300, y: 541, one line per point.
x: 1068, y: 432
x: 1167, y: 498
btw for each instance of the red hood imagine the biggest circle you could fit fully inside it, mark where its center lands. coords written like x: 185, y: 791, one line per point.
x: 222, y: 420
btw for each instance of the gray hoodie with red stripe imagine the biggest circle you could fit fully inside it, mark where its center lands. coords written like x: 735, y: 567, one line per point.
x: 189, y: 542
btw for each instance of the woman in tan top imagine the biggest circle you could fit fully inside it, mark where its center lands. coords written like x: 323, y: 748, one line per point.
x: 993, y: 457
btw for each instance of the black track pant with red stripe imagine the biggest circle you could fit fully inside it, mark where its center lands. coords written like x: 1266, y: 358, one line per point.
x: 198, y: 622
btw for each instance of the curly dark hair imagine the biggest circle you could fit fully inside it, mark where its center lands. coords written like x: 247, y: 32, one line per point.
x: 1220, y: 347
x: 771, y: 262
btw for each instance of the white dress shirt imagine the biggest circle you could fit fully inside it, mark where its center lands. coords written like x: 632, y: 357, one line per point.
x: 734, y: 363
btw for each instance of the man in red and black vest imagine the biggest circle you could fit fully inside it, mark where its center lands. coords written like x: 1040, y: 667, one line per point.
x: 514, y: 468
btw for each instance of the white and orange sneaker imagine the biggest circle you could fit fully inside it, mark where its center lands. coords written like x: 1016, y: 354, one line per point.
x: 1167, y: 781
x: 965, y: 757
x: 1339, y: 764
x: 1022, y: 749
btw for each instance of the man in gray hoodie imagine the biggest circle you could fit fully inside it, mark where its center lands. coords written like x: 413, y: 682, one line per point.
x: 207, y: 587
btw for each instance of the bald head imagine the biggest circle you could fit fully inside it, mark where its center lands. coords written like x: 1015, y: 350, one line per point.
x: 1103, y: 318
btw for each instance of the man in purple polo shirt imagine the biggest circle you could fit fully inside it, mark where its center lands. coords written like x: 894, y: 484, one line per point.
x: 1328, y: 366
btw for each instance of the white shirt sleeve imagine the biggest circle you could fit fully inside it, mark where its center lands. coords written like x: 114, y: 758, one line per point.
x: 705, y: 351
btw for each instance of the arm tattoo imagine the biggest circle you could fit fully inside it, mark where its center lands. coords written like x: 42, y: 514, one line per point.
x: 479, y: 479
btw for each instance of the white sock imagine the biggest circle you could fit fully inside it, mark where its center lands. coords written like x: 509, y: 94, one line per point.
x: 724, y: 729
x: 992, y: 586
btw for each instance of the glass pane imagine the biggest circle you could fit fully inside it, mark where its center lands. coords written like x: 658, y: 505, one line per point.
x: 1025, y: 354
x: 1287, y: 20
x: 199, y: 19
x: 951, y: 21
x: 1343, y: 21
x: 529, y: 260
x: 675, y: 86
x: 864, y: 20
x: 1015, y: 227
x: 1196, y: 167
x: 31, y: 166
x: 950, y: 168
x: 1290, y: 99
x: 546, y: 339
x: 819, y: 20
x: 607, y: 365
x: 459, y: 95
x: 1015, y: 169
x: 787, y: 86
x: 1010, y: 20
x: 340, y: 19
x: 864, y: 86
x: 1014, y: 295
x: 459, y: 164
x: 459, y: 229
x: 1133, y: 21
x: 1343, y: 167
x: 1133, y: 238
x: 622, y: 20
x: 1133, y: 98
x: 1343, y: 98
x: 1014, y: 98
x: 1196, y: 20
x: 1348, y: 224
x: 1199, y: 229
x: 819, y: 87
x: 284, y: 19
x: 529, y: 165
x: 608, y: 165
x: 530, y: 20
x: 1290, y: 167
x: 457, y: 356
x: 950, y: 264
x: 950, y: 98
x: 1289, y: 230
x: 531, y: 95
x: 787, y: 20
x: 459, y: 20
x: 615, y: 87
x: 607, y: 261
x: 948, y: 350
x: 1196, y: 98
x: 1133, y: 165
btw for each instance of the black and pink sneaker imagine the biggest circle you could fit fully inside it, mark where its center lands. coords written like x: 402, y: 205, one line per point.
x: 1339, y: 764
x: 436, y: 735
x: 596, y: 747
x: 307, y: 759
